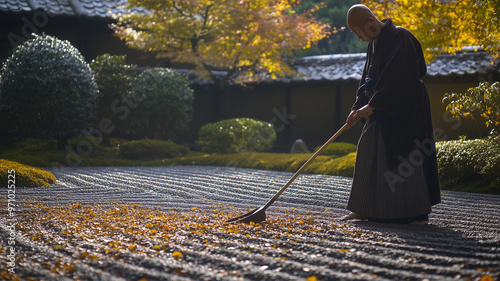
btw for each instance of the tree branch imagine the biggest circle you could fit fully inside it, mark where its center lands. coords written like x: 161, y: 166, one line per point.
x: 178, y: 9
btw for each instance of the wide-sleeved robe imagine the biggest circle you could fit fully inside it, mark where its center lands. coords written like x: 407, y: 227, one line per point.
x: 396, y: 170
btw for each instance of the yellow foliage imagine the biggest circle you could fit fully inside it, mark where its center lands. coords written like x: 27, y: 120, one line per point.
x: 218, y: 34
x: 481, y: 102
x: 445, y: 26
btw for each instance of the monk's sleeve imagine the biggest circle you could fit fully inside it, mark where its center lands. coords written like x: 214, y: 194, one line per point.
x: 361, y: 98
x: 399, y: 81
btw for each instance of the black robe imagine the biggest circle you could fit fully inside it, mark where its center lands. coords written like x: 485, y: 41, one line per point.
x: 395, y: 66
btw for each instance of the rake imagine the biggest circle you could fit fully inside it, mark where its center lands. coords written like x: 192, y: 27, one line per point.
x: 259, y: 214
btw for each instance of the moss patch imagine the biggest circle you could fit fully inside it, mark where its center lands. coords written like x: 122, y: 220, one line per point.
x: 25, y: 176
x: 456, y: 160
x: 338, y: 149
x: 342, y: 166
x: 329, y: 165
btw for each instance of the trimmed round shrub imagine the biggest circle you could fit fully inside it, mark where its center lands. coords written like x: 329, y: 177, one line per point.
x: 47, y: 90
x: 467, y: 160
x: 338, y: 149
x: 25, y: 176
x: 150, y: 149
x: 162, y: 104
x: 236, y: 135
x: 114, y: 79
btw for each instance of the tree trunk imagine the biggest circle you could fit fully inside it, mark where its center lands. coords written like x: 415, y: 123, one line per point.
x: 223, y: 101
x: 105, y: 112
x: 62, y: 142
x: 106, y: 139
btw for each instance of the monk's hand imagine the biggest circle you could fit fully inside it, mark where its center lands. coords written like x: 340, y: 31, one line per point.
x: 364, y: 112
x: 352, y: 119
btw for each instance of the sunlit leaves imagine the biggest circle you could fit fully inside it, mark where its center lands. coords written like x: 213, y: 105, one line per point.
x: 479, y: 103
x: 446, y: 26
x: 237, y: 36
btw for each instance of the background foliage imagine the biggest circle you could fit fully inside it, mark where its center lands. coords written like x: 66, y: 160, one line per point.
x: 236, y: 36
x: 47, y: 90
x: 446, y: 26
x: 150, y: 149
x: 114, y: 79
x: 479, y: 103
x: 334, y: 13
x: 464, y: 161
x: 162, y: 104
x: 236, y: 135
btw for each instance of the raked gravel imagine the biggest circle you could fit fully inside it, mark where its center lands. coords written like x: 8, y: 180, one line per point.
x: 461, y: 241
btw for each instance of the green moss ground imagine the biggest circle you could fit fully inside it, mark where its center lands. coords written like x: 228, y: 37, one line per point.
x: 83, y: 152
x: 44, y: 153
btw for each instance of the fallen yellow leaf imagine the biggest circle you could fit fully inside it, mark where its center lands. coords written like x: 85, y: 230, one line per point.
x: 312, y: 278
x: 177, y: 255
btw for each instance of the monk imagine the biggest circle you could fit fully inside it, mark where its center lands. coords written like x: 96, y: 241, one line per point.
x: 395, y: 175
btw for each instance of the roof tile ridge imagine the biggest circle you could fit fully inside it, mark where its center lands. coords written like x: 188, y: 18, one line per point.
x: 77, y: 7
x: 33, y: 4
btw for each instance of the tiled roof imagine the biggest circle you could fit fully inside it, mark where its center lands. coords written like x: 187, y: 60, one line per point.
x: 15, y: 6
x: 342, y: 67
x: 350, y: 66
x: 90, y: 8
x: 466, y: 63
x: 330, y: 67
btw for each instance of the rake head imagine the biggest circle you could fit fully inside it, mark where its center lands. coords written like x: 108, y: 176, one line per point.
x: 256, y: 216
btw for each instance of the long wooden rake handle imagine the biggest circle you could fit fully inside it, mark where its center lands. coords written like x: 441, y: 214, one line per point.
x: 340, y: 131
x: 258, y: 214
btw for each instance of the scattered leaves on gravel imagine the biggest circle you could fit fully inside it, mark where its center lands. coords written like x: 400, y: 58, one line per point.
x: 93, y: 233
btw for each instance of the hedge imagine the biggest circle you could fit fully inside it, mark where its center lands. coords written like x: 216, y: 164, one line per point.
x: 236, y: 135
x: 462, y: 161
x: 150, y: 149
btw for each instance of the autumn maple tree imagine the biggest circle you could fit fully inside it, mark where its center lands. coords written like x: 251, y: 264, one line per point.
x: 446, y: 26
x: 238, y: 37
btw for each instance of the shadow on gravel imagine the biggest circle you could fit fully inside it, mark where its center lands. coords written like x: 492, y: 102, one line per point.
x: 434, y: 241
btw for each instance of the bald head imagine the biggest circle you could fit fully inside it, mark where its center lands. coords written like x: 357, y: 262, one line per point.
x: 358, y: 15
x: 363, y: 22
